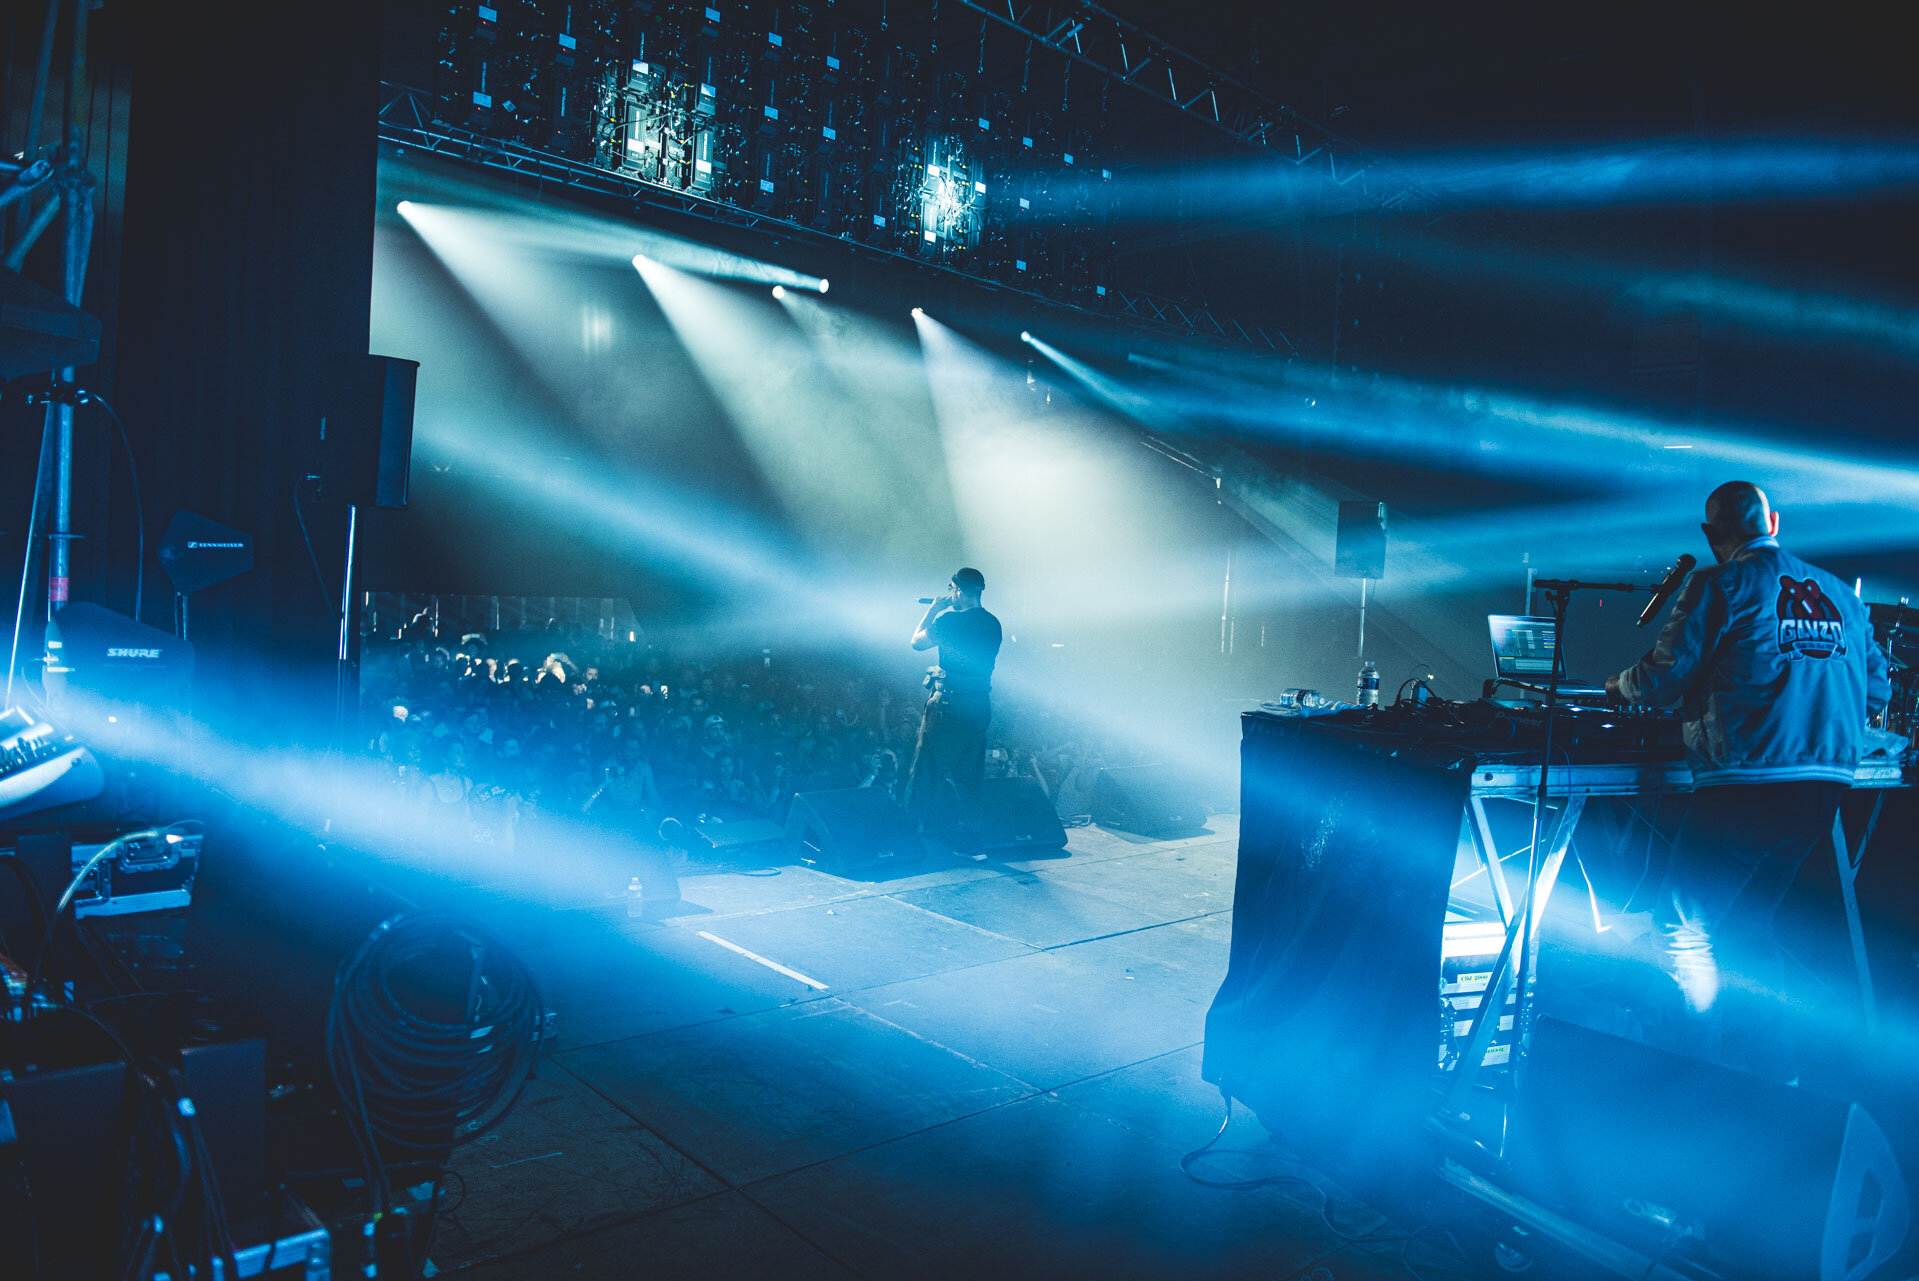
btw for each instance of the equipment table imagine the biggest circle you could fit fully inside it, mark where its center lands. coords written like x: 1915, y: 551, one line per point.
x: 1572, y: 785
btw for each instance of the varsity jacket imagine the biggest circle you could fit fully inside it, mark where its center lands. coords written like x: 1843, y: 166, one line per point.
x: 1773, y: 663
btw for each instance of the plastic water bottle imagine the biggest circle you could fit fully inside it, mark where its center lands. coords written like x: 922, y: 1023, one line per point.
x: 635, y: 898
x: 1300, y: 702
x: 1368, y: 685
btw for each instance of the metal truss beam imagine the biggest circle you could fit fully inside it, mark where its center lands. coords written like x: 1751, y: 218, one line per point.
x: 1090, y: 35
x: 406, y: 120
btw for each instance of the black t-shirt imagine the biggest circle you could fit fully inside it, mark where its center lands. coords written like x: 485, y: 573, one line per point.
x: 968, y: 641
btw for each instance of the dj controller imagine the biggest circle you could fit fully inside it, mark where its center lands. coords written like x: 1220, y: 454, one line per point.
x: 1506, y: 727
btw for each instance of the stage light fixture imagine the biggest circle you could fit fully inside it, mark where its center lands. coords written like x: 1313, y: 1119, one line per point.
x: 403, y: 207
x: 919, y: 311
x: 823, y: 284
x: 1024, y: 336
x: 779, y: 291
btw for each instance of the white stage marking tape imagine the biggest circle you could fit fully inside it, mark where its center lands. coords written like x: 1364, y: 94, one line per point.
x: 771, y: 965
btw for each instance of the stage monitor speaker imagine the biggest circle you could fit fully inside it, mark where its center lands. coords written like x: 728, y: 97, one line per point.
x: 1150, y: 800
x: 852, y: 831
x: 1359, y: 548
x: 1672, y: 1154
x: 366, y: 432
x: 719, y: 837
x: 70, y: 1117
x: 1010, y: 814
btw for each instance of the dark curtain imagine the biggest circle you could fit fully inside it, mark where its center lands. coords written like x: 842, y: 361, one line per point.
x: 1327, y: 1024
x: 248, y: 251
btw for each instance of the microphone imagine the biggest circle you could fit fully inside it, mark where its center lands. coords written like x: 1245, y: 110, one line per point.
x: 926, y: 600
x: 1667, y: 586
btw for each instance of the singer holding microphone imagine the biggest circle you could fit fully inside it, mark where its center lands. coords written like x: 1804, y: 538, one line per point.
x: 959, y: 708
x: 1773, y: 663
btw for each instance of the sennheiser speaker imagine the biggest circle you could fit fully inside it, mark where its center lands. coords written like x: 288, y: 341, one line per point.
x: 366, y: 429
x: 1150, y: 800
x: 853, y: 831
x: 1009, y: 815
x: 1674, y: 1155
x: 1359, y: 546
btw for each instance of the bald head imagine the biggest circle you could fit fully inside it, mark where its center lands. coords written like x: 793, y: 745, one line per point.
x: 1736, y: 513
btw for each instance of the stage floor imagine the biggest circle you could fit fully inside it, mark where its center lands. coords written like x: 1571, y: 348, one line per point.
x: 986, y: 1069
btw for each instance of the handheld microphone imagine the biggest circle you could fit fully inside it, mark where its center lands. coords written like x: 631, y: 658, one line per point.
x: 926, y: 600
x: 1667, y: 586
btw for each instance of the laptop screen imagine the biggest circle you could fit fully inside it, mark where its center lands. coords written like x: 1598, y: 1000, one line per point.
x: 1522, y: 646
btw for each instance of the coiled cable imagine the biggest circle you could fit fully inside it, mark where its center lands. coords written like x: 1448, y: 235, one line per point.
x: 417, y: 1077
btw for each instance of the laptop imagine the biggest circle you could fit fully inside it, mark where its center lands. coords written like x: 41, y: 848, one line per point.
x: 1524, y: 657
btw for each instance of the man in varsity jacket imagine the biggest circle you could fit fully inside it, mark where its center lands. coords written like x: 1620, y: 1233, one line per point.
x: 1777, y: 675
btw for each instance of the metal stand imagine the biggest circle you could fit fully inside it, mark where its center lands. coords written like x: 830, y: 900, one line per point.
x: 72, y: 188
x: 1362, y: 617
x: 346, y: 690
x: 1519, y: 956
x: 1851, y: 858
x: 1559, y: 591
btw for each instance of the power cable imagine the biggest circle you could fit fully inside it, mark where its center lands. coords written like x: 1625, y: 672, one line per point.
x: 1404, y: 1241
x: 1405, y: 1250
x: 1270, y: 1180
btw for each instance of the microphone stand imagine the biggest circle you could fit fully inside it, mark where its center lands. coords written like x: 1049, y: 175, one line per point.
x: 1559, y: 591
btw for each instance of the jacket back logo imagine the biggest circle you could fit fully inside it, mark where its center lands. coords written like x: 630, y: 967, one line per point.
x: 1810, y: 625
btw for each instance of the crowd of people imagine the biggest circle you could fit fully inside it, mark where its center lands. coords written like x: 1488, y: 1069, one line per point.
x: 492, y: 726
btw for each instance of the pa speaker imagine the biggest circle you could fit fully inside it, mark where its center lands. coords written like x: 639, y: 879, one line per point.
x: 852, y: 831
x: 1150, y: 800
x: 1011, y: 814
x: 1359, y: 546
x: 366, y: 429
x: 1671, y: 1154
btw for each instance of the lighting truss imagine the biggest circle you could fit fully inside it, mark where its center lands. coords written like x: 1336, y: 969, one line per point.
x: 1152, y: 309
x: 1090, y: 35
x: 406, y: 121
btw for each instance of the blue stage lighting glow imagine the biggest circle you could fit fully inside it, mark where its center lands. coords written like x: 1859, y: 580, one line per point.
x: 1752, y: 304
x: 1652, y: 172
x: 1473, y: 431
x: 571, y: 233
x: 824, y: 451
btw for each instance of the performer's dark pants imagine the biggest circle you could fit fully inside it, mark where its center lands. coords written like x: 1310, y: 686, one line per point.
x: 952, y: 744
x: 1733, y: 860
